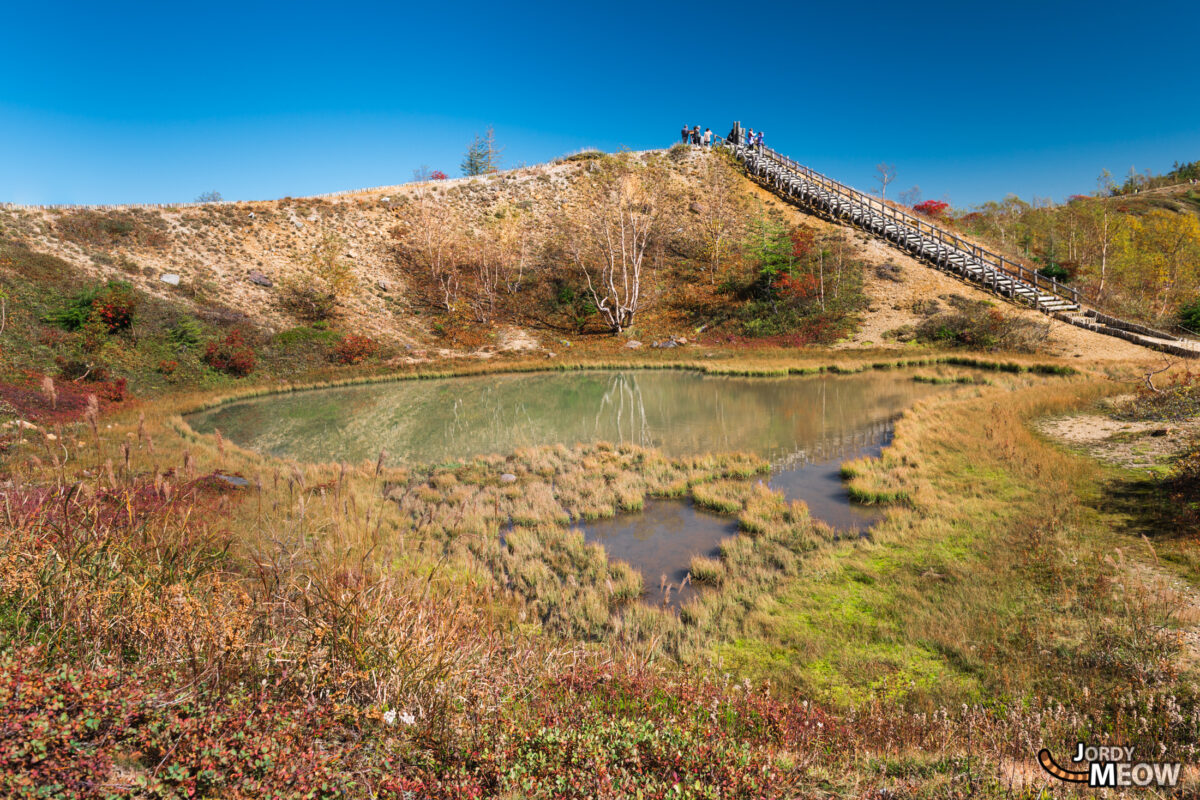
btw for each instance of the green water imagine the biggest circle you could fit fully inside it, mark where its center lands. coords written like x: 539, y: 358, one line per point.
x: 791, y: 421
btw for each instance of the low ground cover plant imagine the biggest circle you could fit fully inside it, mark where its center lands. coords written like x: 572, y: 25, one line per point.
x: 355, y: 349
x: 230, y: 354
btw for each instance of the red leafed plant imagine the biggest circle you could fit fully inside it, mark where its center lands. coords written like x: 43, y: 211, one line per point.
x: 931, y: 208
x: 803, y: 240
x: 438, y: 175
x: 355, y: 349
x: 231, y: 354
x: 797, y: 287
x: 116, y: 314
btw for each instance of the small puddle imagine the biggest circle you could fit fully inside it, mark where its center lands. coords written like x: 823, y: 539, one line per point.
x: 660, y: 542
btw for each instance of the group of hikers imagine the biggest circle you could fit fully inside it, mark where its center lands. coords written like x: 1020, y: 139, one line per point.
x: 694, y: 136
x: 736, y: 136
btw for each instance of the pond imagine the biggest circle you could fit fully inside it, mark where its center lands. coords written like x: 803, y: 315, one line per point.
x: 790, y: 421
x: 806, y: 426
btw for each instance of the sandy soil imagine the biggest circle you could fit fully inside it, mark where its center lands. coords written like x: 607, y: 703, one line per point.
x: 1136, y: 445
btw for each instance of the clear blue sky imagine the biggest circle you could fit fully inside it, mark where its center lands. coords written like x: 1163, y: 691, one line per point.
x: 138, y: 102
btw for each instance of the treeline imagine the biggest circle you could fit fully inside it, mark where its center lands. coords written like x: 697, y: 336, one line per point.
x: 1138, y: 182
x: 1130, y: 258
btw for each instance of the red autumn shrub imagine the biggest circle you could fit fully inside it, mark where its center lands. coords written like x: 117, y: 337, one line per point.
x: 168, y: 367
x: 355, y: 349
x: 231, y: 355
x: 931, y: 208
x: 116, y: 311
x: 803, y: 240
x: 438, y: 175
x: 112, y: 390
x: 797, y: 287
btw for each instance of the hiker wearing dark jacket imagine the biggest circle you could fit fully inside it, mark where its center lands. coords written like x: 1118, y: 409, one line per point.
x: 732, y: 138
x: 686, y: 134
x: 696, y: 135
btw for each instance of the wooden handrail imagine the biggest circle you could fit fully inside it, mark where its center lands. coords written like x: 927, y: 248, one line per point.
x: 841, y: 199
x: 989, y: 260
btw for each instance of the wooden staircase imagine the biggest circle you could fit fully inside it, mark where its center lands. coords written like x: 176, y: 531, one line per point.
x: 940, y: 247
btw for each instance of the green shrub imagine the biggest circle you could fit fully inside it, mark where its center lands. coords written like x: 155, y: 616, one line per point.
x: 185, y: 333
x: 586, y: 155
x: 1189, y: 315
x: 317, y: 333
x: 318, y: 296
x: 112, y: 303
x: 1055, y: 272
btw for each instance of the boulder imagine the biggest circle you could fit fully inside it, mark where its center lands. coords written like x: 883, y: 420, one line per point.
x: 633, y: 344
x: 508, y: 477
x: 259, y: 279
x: 169, y: 278
x: 230, y: 481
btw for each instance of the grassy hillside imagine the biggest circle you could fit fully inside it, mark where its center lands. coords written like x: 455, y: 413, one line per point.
x: 473, y: 268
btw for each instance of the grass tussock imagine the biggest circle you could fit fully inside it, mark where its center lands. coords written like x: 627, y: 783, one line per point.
x: 706, y: 570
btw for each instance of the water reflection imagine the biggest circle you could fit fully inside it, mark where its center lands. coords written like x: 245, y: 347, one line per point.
x: 790, y: 421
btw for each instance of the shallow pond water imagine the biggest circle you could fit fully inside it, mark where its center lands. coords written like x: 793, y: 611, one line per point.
x: 806, y: 426
x: 790, y: 421
x: 660, y: 542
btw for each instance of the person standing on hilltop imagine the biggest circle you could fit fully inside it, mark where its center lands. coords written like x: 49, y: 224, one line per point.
x: 750, y: 137
x: 696, y: 135
x: 706, y: 139
x: 732, y: 138
x: 686, y: 134
x: 758, y: 140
